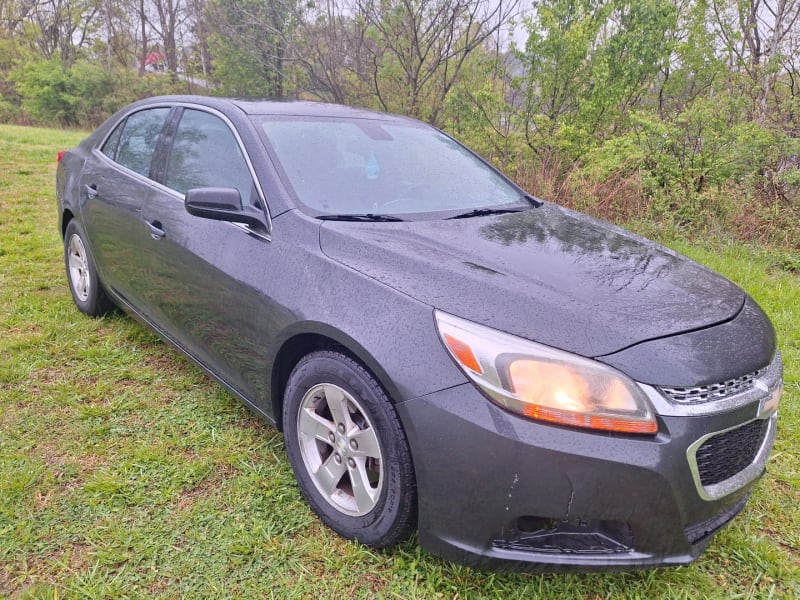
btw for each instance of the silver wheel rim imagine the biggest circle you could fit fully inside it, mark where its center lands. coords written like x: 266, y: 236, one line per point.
x: 340, y: 449
x: 78, y: 263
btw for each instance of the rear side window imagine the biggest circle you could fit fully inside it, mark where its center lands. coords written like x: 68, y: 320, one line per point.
x: 137, y: 143
x: 112, y: 143
x: 205, y: 153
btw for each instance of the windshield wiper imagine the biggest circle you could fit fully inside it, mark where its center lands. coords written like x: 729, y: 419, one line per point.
x: 359, y: 217
x: 482, y: 212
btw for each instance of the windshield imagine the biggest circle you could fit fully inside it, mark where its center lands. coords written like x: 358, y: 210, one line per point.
x: 358, y: 166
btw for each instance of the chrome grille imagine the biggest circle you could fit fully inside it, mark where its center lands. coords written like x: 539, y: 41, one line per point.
x: 713, y: 391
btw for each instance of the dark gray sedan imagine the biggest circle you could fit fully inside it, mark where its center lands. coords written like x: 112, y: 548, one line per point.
x: 526, y: 386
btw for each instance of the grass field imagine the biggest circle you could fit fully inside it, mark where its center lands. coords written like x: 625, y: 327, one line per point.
x: 125, y: 472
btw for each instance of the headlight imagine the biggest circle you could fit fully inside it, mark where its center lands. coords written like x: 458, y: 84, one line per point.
x: 544, y: 383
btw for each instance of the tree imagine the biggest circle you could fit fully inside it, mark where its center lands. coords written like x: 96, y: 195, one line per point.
x: 169, y: 16
x: 418, y: 48
x: 331, y: 50
x: 58, y: 28
x: 251, y: 42
x: 761, y: 37
x: 587, y: 63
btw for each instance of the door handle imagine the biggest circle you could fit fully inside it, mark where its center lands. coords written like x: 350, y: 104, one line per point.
x: 91, y: 190
x: 156, y: 231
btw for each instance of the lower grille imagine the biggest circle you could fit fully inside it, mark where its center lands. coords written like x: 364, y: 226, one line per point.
x: 723, y: 456
x: 567, y: 537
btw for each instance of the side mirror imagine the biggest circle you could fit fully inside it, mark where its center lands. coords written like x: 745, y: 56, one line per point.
x: 220, y: 204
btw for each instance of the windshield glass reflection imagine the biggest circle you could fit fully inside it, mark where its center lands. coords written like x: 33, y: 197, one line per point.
x: 362, y: 166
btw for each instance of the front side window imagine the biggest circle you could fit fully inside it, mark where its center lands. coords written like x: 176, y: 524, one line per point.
x: 205, y: 153
x: 349, y: 166
x: 139, y: 137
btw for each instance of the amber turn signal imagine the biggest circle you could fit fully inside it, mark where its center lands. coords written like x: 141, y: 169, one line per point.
x: 545, y: 383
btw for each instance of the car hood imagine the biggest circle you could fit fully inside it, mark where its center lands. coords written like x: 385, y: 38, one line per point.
x: 547, y: 274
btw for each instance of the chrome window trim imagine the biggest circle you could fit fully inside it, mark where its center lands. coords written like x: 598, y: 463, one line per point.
x: 179, y: 197
x: 128, y: 113
x: 98, y: 147
x: 161, y: 187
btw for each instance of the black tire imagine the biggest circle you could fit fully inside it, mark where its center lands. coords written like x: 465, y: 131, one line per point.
x: 87, y: 291
x: 321, y: 385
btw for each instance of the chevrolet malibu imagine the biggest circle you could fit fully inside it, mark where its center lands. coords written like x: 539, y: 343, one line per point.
x: 525, y: 386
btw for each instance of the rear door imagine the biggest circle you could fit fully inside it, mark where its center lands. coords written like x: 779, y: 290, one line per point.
x: 207, y: 277
x: 113, y: 188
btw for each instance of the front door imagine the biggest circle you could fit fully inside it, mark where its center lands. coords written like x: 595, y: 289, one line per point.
x: 207, y: 276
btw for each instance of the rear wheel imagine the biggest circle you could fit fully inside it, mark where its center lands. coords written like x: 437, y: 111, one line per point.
x: 87, y: 291
x: 348, y: 450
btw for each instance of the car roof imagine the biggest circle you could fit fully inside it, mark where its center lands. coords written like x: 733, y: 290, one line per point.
x: 280, y: 107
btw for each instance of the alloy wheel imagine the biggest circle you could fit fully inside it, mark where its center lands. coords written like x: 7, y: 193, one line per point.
x: 79, y: 268
x: 340, y: 449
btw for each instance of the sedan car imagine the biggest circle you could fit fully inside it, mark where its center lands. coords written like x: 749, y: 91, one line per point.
x: 527, y: 387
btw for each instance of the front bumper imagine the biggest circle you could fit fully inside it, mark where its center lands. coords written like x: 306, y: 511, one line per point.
x: 502, y: 492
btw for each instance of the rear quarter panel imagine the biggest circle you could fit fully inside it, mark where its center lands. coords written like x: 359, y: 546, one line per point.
x: 68, y: 175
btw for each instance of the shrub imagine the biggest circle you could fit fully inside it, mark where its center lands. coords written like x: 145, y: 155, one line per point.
x: 53, y: 94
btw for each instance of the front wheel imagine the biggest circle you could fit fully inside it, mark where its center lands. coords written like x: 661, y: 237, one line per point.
x: 87, y: 291
x: 348, y: 450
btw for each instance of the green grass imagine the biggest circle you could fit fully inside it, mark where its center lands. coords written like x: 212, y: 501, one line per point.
x: 125, y: 472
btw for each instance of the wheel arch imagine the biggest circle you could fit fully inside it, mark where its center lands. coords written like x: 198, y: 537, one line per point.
x: 66, y: 217
x: 307, y: 338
